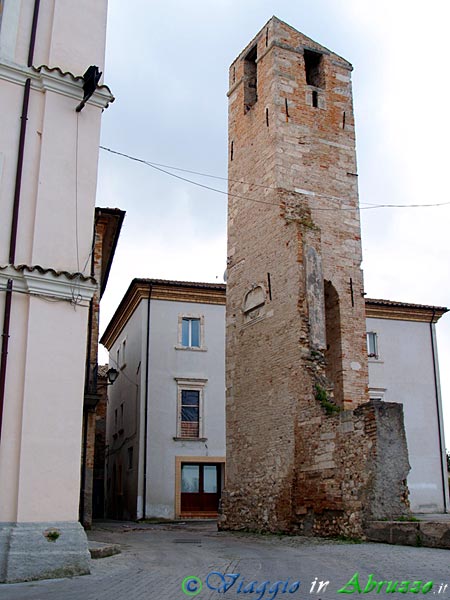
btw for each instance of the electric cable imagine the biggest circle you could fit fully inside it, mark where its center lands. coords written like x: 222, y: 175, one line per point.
x: 159, y: 167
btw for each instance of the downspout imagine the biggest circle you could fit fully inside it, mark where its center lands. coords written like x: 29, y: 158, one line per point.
x: 33, y: 32
x: 147, y: 366
x: 83, y: 466
x: 15, y: 214
x: 87, y: 378
x: 438, y: 409
x: 5, y: 340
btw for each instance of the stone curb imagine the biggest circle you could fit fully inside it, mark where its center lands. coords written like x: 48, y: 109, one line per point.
x: 101, y: 550
x: 429, y: 534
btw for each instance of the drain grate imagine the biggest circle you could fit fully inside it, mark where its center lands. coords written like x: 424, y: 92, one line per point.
x: 187, y: 541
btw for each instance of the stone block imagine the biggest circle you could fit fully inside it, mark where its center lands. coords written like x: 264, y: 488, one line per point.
x: 42, y: 551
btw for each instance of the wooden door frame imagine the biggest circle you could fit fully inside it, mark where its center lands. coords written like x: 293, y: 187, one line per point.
x: 219, y: 460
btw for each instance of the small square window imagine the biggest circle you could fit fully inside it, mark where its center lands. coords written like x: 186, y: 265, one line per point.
x: 190, y: 332
x: 372, y: 344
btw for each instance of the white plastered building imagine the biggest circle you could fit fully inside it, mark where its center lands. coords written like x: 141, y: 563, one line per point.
x: 159, y: 460
x: 48, y: 176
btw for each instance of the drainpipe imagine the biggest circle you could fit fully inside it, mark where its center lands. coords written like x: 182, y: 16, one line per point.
x: 147, y: 366
x: 83, y: 467
x: 15, y: 214
x: 12, y: 247
x: 5, y: 340
x: 33, y: 32
x: 437, y: 392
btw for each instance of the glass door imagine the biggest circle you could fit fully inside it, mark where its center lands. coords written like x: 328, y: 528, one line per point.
x: 200, y: 487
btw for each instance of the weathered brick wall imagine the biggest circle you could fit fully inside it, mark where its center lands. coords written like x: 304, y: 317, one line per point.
x: 98, y: 488
x: 352, y: 467
x: 88, y: 470
x: 293, y: 222
x: 92, y: 386
x: 348, y: 469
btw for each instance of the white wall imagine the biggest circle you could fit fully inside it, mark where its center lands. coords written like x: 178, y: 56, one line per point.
x: 405, y: 370
x: 166, y: 363
x: 402, y: 373
x: 128, y: 389
x: 41, y: 437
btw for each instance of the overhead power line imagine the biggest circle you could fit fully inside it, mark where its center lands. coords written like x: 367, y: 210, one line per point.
x: 162, y: 168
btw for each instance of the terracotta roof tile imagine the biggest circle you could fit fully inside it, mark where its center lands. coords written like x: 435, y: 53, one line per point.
x: 193, y: 284
x: 379, y: 302
x: 43, y: 271
x: 69, y: 74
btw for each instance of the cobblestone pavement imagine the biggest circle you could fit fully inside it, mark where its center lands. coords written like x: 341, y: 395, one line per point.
x: 156, y: 558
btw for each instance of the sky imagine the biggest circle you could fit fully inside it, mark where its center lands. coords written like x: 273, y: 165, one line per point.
x: 167, y: 65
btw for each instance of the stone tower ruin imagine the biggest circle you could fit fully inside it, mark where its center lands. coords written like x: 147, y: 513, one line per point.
x: 306, y: 451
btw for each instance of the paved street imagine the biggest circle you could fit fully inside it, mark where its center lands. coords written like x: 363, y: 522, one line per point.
x: 155, y: 560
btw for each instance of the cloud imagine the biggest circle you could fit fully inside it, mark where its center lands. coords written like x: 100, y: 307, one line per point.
x: 168, y: 66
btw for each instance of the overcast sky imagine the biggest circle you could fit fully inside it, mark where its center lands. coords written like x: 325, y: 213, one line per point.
x: 167, y: 64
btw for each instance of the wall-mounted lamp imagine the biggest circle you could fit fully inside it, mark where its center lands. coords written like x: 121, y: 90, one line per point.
x: 90, y: 83
x: 112, y: 374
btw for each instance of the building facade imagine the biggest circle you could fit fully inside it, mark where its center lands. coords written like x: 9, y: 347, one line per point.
x: 107, y: 227
x: 166, y: 414
x: 187, y: 365
x: 403, y: 365
x: 48, y: 173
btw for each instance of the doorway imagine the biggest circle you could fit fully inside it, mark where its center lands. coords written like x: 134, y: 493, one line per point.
x: 200, y: 489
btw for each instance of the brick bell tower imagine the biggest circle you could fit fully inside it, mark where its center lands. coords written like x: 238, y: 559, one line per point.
x: 296, y: 360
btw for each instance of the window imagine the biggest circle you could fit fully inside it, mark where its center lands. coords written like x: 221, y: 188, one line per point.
x: 121, y: 355
x: 130, y: 458
x: 250, y: 79
x: 121, y: 419
x: 189, y: 411
x: 190, y: 332
x: 124, y: 347
x: 314, y: 69
x: 372, y: 344
x: 115, y: 424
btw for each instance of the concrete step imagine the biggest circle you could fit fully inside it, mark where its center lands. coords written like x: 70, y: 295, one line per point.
x: 102, y: 550
x: 430, y: 534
